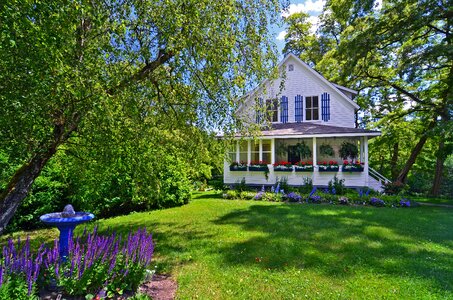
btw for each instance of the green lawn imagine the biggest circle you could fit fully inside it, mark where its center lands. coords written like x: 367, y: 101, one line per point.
x: 443, y: 201
x: 227, y: 249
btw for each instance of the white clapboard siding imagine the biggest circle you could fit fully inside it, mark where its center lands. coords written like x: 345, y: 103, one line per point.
x: 305, y: 82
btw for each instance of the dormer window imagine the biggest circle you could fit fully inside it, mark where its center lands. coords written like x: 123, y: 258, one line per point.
x: 290, y: 68
x: 311, y: 108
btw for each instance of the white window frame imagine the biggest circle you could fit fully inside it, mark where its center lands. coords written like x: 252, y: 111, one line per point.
x: 305, y: 108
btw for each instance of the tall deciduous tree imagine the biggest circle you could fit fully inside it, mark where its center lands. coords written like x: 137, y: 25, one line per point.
x: 399, y: 53
x: 64, y: 63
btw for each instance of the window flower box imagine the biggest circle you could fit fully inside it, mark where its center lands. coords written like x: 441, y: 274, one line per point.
x: 303, y: 166
x: 238, y: 166
x: 331, y: 166
x: 283, y: 166
x: 352, y: 167
x: 258, y: 166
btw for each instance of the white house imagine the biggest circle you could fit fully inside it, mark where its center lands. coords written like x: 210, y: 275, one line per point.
x: 307, y: 123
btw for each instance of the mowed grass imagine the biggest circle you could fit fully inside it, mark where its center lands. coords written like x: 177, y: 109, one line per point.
x: 443, y: 201
x: 228, y: 249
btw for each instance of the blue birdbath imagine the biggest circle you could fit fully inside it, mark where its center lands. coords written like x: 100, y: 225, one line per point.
x: 66, y: 221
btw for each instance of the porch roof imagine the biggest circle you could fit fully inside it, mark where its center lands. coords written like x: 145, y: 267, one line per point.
x: 306, y: 129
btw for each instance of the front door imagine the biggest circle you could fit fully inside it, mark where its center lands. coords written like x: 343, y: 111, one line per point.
x: 293, y: 154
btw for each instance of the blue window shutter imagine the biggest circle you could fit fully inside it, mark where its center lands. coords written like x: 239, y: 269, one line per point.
x: 325, y: 107
x: 284, y: 109
x: 299, y: 109
x: 258, y: 112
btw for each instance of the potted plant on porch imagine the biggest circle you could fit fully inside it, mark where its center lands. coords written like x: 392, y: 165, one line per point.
x: 356, y: 166
x: 238, y: 166
x: 258, y: 166
x: 303, y: 166
x: 283, y: 166
x: 331, y: 166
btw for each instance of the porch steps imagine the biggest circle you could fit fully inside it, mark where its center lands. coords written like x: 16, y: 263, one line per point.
x: 376, y: 180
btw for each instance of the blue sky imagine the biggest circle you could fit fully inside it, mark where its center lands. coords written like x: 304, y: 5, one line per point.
x: 312, y: 7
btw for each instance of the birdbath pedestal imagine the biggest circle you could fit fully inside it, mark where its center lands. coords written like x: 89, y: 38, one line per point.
x: 66, y: 221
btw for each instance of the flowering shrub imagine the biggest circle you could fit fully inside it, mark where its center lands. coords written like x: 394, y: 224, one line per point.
x: 377, y: 202
x: 97, y: 265
x: 315, y: 199
x: 259, y: 195
x: 405, y: 202
x: 19, y: 270
x: 343, y: 200
x: 293, y: 197
x: 272, y: 197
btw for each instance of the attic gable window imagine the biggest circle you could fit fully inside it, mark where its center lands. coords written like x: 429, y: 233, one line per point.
x: 290, y: 68
x: 272, y: 110
x: 312, y: 108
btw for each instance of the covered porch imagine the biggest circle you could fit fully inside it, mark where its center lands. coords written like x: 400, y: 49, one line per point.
x: 301, y: 157
x: 271, y: 152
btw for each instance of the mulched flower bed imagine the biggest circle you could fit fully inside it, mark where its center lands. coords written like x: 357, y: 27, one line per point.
x: 161, y: 287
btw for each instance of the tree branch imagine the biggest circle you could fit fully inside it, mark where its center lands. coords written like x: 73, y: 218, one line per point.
x: 162, y: 58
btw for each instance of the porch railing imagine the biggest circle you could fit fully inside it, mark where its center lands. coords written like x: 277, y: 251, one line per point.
x: 376, y: 175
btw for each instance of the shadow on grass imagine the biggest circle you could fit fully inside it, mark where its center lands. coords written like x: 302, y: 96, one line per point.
x: 207, y: 195
x: 172, y: 240
x: 344, y: 241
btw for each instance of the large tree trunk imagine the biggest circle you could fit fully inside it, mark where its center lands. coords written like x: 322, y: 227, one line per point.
x: 394, y: 161
x: 20, y: 183
x: 402, y: 177
x: 435, y: 190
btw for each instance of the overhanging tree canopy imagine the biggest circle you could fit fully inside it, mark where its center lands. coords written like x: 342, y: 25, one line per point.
x: 66, y: 63
x: 398, y: 53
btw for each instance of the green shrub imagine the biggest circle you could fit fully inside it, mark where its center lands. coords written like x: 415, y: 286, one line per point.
x: 337, y: 185
x: 217, y: 184
x: 173, y: 186
x: 395, y: 188
x: 242, y: 186
x: 307, y: 186
x: 272, y: 197
x: 283, y: 181
x: 230, y: 194
x: 247, y: 195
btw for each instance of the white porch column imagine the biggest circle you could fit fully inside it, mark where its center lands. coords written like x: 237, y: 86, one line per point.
x: 238, y: 156
x: 362, y: 154
x: 249, y: 151
x: 365, y: 158
x: 261, y: 150
x: 315, y: 163
x: 272, y: 151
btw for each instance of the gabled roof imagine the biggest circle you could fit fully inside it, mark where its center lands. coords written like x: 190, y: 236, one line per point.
x: 319, y: 76
x: 345, y: 88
